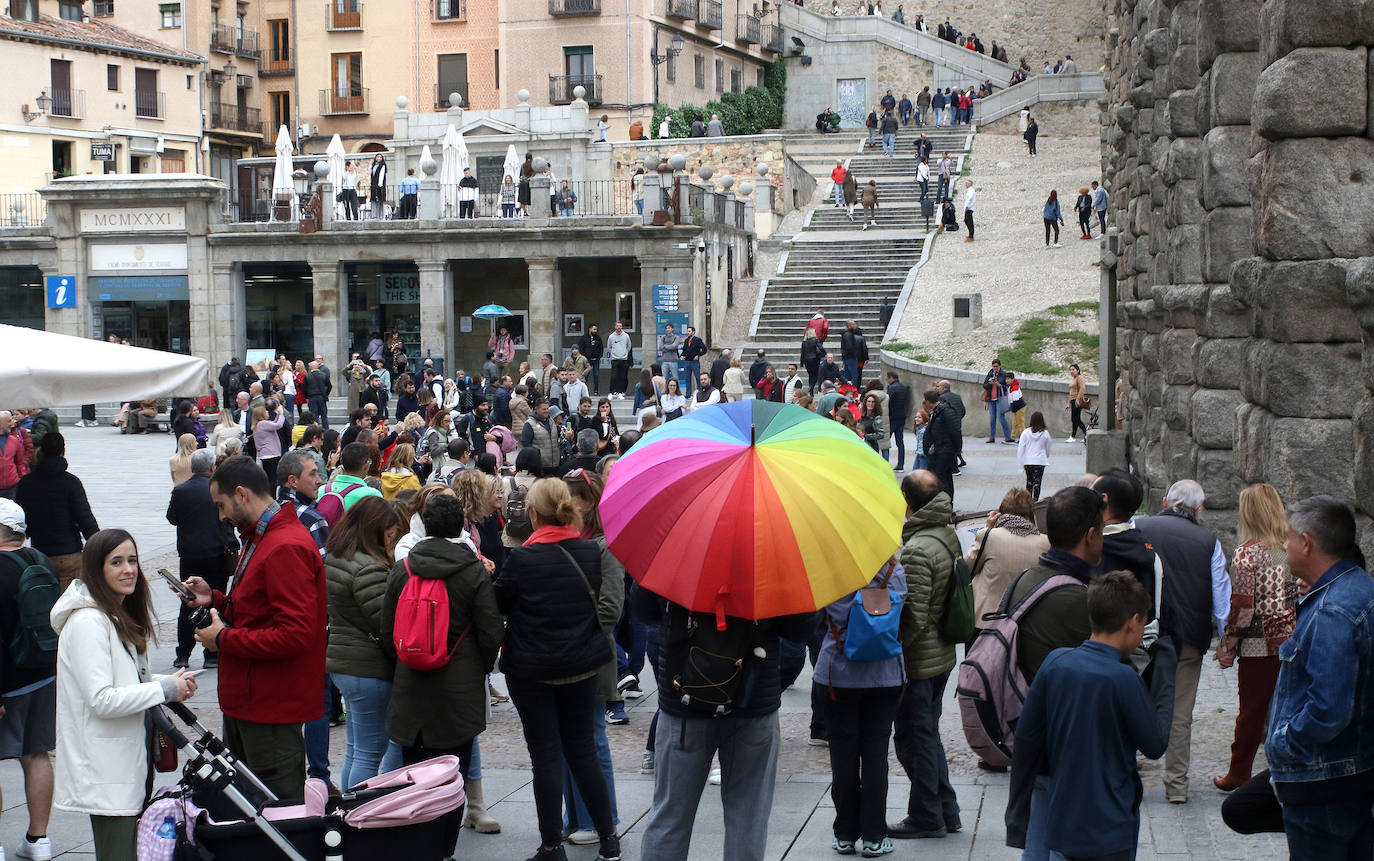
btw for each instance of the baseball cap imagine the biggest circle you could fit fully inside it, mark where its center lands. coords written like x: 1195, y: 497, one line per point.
x: 12, y: 516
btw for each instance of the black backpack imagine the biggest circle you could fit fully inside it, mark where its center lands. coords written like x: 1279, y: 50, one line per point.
x: 712, y: 671
x: 33, y: 645
x: 518, y: 524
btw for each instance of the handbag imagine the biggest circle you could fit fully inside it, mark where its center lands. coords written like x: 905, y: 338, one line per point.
x: 164, y: 753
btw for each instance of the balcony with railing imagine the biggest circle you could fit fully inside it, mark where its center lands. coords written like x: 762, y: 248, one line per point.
x: 274, y: 66
x: 450, y: 10
x: 67, y: 102
x: 349, y: 100
x: 683, y: 10
x: 747, y: 29
x: 560, y: 8
x: 442, y: 92
x: 772, y: 38
x: 344, y: 15
x: 150, y: 104
x: 228, y: 39
x: 561, y: 88
x: 238, y: 118
x: 710, y: 14
x: 26, y: 209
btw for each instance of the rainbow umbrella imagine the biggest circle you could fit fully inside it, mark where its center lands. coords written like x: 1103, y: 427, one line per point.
x: 752, y: 509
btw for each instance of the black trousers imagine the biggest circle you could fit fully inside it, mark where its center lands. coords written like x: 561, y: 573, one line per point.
x: 968, y: 222
x: 88, y: 412
x: 899, y: 439
x: 916, y: 738
x: 1253, y: 808
x: 557, y: 720
x: 1051, y: 224
x: 860, y: 724
x: 942, y: 463
x: 1076, y: 420
x: 409, y: 204
x: 1102, y: 220
x: 620, y: 375
x: 1034, y: 475
x: 419, y: 753
x: 1030, y: 142
x: 813, y: 375
x: 1085, y: 222
x: 467, y: 209
x: 214, y: 571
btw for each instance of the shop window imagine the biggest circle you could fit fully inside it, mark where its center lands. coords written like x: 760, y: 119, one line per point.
x: 21, y: 295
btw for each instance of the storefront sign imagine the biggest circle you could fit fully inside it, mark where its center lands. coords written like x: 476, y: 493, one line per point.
x: 102, y: 152
x: 139, y: 288
x: 133, y: 219
x: 665, y: 297
x: 398, y: 288
x: 61, y: 291
x: 126, y: 257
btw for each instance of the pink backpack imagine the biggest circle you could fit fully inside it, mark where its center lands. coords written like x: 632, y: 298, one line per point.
x: 421, y: 630
x: 991, y: 687
x: 331, y: 504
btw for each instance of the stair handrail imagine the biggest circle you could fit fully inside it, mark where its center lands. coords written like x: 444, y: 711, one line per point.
x: 1035, y: 89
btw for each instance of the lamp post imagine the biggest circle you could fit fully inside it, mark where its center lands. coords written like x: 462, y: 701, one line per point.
x: 675, y: 46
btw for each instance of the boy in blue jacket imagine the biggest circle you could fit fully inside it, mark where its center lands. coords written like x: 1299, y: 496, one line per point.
x: 1088, y: 713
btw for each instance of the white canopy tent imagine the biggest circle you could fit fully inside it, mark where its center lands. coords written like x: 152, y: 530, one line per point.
x: 48, y: 369
x: 455, y: 158
x: 283, y: 184
x: 334, y: 156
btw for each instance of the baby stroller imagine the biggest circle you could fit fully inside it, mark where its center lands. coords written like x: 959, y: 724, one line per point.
x: 419, y: 807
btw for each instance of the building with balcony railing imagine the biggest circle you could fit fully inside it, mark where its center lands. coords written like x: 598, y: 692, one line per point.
x: 574, y: 7
x: 562, y: 89
x: 229, y: 39
x: 710, y: 14
x: 238, y: 118
x: 747, y: 29
x: 449, y: 10
x: 772, y: 38
x: 682, y: 10
x: 339, y: 102
x: 344, y: 14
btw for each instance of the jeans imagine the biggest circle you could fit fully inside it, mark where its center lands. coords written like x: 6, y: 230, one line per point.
x: 748, y: 750
x: 566, y: 212
x: 316, y: 734
x: 996, y: 412
x: 860, y: 724
x: 319, y: 405
x: 620, y: 375
x: 889, y: 144
x: 691, y: 369
x: 631, y: 644
x: 1330, y: 831
x: 1102, y: 220
x: 1035, y: 474
x: 212, y: 571
x: 906, y: 117
x: 595, y: 365
x: 670, y: 372
x: 558, y: 725
x: 932, y: 804
x: 1036, y: 850
x: 639, y: 206
x: 943, y: 188
x: 1179, y: 753
x: 369, y: 752
x: 851, y: 371
x: 925, y: 187
x: 578, y: 818
x: 839, y: 193
x: 920, y: 115
x: 939, y: 116
x: 507, y: 210
x: 1255, y: 681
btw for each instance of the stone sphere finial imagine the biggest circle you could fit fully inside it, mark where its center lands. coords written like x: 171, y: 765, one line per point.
x: 539, y: 164
x: 746, y: 188
x: 401, y: 102
x: 761, y: 169
x: 579, y: 92
x: 650, y: 162
x: 727, y: 181
x: 321, y: 169
x: 706, y: 171
x: 429, y: 167
x: 523, y: 97
x: 678, y: 161
x: 455, y: 100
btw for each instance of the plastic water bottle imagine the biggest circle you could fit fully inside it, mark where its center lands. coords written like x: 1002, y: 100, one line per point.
x: 168, y: 829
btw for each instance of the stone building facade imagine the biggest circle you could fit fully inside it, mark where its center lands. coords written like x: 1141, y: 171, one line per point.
x: 1242, y: 252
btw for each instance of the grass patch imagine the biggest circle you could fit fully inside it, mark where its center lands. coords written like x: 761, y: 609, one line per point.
x: 1073, y: 308
x: 1035, y: 335
x: 905, y: 350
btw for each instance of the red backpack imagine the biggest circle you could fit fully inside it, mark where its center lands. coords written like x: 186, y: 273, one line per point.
x: 421, y: 630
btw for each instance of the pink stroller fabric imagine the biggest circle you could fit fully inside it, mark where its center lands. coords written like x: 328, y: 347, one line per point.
x: 316, y: 796
x: 506, y: 443
x: 429, y: 790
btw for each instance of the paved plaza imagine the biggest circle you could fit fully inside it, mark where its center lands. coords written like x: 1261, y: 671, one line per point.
x: 128, y: 482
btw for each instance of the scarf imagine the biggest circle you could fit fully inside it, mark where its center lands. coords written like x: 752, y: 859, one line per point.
x: 552, y: 535
x: 1016, y: 525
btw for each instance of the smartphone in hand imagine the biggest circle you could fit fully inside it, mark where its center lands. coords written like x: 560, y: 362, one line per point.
x: 176, y: 584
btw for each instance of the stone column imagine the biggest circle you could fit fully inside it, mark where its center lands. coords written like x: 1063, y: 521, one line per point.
x: 539, y: 200
x: 219, y: 321
x: 328, y: 205
x: 653, y: 195
x: 545, y: 299
x: 429, y: 203
x: 436, y: 311
x: 72, y: 259
x: 331, y: 313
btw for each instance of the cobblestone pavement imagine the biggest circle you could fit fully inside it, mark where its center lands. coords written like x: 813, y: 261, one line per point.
x: 128, y: 483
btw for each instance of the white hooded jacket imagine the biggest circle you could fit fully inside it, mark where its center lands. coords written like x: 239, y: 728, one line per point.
x: 103, y: 690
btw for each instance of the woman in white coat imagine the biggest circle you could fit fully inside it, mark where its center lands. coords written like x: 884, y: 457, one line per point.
x: 104, y: 623
x: 1033, y: 453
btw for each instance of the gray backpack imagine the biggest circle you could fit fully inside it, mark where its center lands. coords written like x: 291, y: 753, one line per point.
x: 991, y: 687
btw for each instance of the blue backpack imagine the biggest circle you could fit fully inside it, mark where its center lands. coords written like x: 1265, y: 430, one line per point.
x: 874, y: 620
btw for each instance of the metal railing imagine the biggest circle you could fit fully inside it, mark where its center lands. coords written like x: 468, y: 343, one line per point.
x: 772, y: 38
x: 68, y: 103
x: 685, y: 10
x: 574, y: 7
x: 450, y: 10
x: 22, y: 210
x: 354, y: 101
x: 344, y: 15
x: 229, y: 39
x: 561, y: 88
x: 710, y: 14
x: 237, y: 117
x: 150, y: 103
x: 704, y: 205
x: 271, y: 66
x: 747, y: 29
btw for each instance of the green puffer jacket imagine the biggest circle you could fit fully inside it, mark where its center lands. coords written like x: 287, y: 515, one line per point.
x: 355, y: 588
x: 610, y: 602
x: 926, y: 537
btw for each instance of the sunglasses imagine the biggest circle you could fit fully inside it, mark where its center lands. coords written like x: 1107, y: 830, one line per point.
x: 581, y: 473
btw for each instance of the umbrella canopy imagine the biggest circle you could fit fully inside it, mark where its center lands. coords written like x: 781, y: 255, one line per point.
x: 752, y: 509
x: 282, y: 183
x: 455, y: 156
x: 47, y: 369
x: 511, y: 166
x: 334, y: 154
x: 491, y: 312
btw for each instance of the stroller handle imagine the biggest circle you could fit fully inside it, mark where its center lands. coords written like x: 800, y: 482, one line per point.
x: 181, y: 711
x: 164, y: 724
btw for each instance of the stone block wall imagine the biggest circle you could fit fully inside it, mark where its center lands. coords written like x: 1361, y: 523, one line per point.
x: 736, y: 155
x: 1243, y: 255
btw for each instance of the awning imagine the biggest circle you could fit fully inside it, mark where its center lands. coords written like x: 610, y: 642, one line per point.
x: 47, y: 369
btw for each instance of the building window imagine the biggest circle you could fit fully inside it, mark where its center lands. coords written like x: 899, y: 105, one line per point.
x: 736, y: 80
x: 720, y: 75
x: 147, y: 99
x: 496, y: 64
x: 671, y: 72
x: 760, y: 77
x: 112, y: 78
x: 24, y: 10
x: 103, y: 8
x: 699, y: 70
x: 171, y: 15
x: 65, y: 100
x: 69, y: 10
x: 453, y: 78
x: 279, y: 33
x: 174, y: 161
x: 577, y: 62
x: 281, y: 111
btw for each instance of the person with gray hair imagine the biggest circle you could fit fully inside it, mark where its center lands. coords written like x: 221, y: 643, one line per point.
x: 200, y: 546
x: 300, y: 478
x: 1321, y: 728
x: 585, y: 456
x: 1195, y: 603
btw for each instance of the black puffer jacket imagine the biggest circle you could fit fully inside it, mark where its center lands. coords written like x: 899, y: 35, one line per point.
x: 447, y: 706
x: 55, y: 506
x: 944, y: 432
x: 551, y: 624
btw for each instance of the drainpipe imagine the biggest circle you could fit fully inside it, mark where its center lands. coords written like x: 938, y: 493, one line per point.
x: 295, y: 81
x: 629, y: 69
x: 415, y: 39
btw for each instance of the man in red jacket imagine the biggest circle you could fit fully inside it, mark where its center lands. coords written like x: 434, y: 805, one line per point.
x: 271, y: 634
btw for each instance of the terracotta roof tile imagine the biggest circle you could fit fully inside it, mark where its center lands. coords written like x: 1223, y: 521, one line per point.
x: 93, y: 33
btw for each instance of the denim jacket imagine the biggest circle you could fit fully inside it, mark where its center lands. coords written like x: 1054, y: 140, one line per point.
x: 1321, y: 723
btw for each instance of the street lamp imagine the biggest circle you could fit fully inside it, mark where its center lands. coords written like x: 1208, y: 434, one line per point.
x: 675, y: 46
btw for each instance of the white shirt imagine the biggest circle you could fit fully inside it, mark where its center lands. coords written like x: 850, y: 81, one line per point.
x: 969, y: 199
x: 922, y: 172
x: 1033, y: 449
x: 663, y: 131
x: 575, y: 392
x: 712, y: 398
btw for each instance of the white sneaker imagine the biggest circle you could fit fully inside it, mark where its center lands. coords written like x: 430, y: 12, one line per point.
x: 1056, y: 245
x: 39, y: 850
x: 714, y: 779
x: 584, y: 837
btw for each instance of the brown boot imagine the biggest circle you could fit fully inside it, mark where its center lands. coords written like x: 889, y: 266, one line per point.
x: 1228, y: 783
